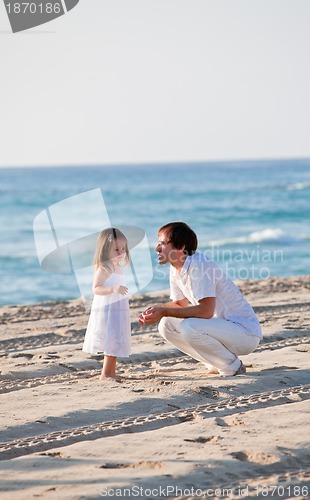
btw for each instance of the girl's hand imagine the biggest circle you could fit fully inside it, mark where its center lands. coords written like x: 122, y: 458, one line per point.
x: 121, y: 289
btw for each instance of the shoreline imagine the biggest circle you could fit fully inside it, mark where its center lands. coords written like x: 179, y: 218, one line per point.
x: 245, y: 285
x: 64, y: 432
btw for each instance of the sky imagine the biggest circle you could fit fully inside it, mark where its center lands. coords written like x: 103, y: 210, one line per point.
x: 148, y: 81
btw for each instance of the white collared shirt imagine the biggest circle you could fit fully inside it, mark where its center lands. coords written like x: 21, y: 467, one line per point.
x: 200, y: 278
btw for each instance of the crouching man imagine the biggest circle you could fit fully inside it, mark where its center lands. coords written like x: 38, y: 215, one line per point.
x: 208, y: 318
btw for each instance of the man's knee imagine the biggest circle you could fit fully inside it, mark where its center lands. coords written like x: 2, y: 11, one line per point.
x: 163, y: 327
x: 187, y: 329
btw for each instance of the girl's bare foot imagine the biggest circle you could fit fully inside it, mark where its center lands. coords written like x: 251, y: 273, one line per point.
x: 117, y: 378
x: 109, y: 369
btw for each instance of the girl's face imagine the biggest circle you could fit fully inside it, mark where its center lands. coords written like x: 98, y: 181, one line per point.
x: 117, y: 252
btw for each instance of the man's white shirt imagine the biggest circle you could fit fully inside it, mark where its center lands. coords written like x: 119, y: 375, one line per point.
x: 200, y: 278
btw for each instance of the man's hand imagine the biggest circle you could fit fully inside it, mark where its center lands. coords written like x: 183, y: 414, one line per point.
x: 152, y: 315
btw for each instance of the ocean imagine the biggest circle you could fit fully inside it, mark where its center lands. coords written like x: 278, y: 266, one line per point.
x: 251, y: 217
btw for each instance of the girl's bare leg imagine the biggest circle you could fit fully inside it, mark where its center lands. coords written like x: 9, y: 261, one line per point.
x: 109, y: 369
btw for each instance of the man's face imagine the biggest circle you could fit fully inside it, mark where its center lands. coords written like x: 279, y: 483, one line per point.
x: 164, y: 249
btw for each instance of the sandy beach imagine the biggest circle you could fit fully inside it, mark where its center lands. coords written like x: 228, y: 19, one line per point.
x: 167, y: 430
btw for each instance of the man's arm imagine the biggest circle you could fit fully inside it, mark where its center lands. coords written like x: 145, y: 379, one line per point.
x: 205, y: 309
x: 176, y: 304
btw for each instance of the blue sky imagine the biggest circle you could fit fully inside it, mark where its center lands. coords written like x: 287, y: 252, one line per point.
x: 135, y: 81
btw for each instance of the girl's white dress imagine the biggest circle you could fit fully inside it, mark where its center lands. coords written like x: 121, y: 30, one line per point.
x: 109, y: 329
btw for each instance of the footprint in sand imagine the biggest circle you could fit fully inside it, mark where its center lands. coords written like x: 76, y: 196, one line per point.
x: 55, y: 454
x: 303, y: 348
x: 200, y: 439
x: 145, y: 464
x: 234, y: 421
x: 207, y: 391
x: 255, y: 457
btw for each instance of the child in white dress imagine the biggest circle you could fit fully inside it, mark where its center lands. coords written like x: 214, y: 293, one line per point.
x: 109, y: 328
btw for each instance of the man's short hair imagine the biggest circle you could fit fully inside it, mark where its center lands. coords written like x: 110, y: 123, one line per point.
x: 180, y: 234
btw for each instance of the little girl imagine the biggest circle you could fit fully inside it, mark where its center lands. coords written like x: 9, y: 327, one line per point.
x: 109, y: 329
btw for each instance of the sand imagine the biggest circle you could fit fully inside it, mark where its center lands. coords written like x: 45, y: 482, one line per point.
x: 168, y: 430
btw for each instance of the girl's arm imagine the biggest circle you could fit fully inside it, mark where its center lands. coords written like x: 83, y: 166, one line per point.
x: 99, y: 289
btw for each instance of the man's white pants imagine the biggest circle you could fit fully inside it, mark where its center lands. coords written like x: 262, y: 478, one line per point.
x: 215, y: 342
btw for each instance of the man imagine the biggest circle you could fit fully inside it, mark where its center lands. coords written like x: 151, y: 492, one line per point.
x: 208, y: 317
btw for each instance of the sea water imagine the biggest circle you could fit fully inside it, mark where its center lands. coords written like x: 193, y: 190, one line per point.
x: 250, y: 217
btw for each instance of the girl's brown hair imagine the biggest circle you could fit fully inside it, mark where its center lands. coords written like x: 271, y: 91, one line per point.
x: 104, y: 244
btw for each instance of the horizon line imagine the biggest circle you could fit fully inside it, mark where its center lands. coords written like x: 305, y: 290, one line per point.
x: 153, y: 163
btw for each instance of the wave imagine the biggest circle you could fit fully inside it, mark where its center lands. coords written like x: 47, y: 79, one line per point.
x: 297, y: 186
x: 276, y: 235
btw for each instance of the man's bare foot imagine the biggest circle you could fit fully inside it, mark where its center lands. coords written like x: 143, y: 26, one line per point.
x: 212, y: 371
